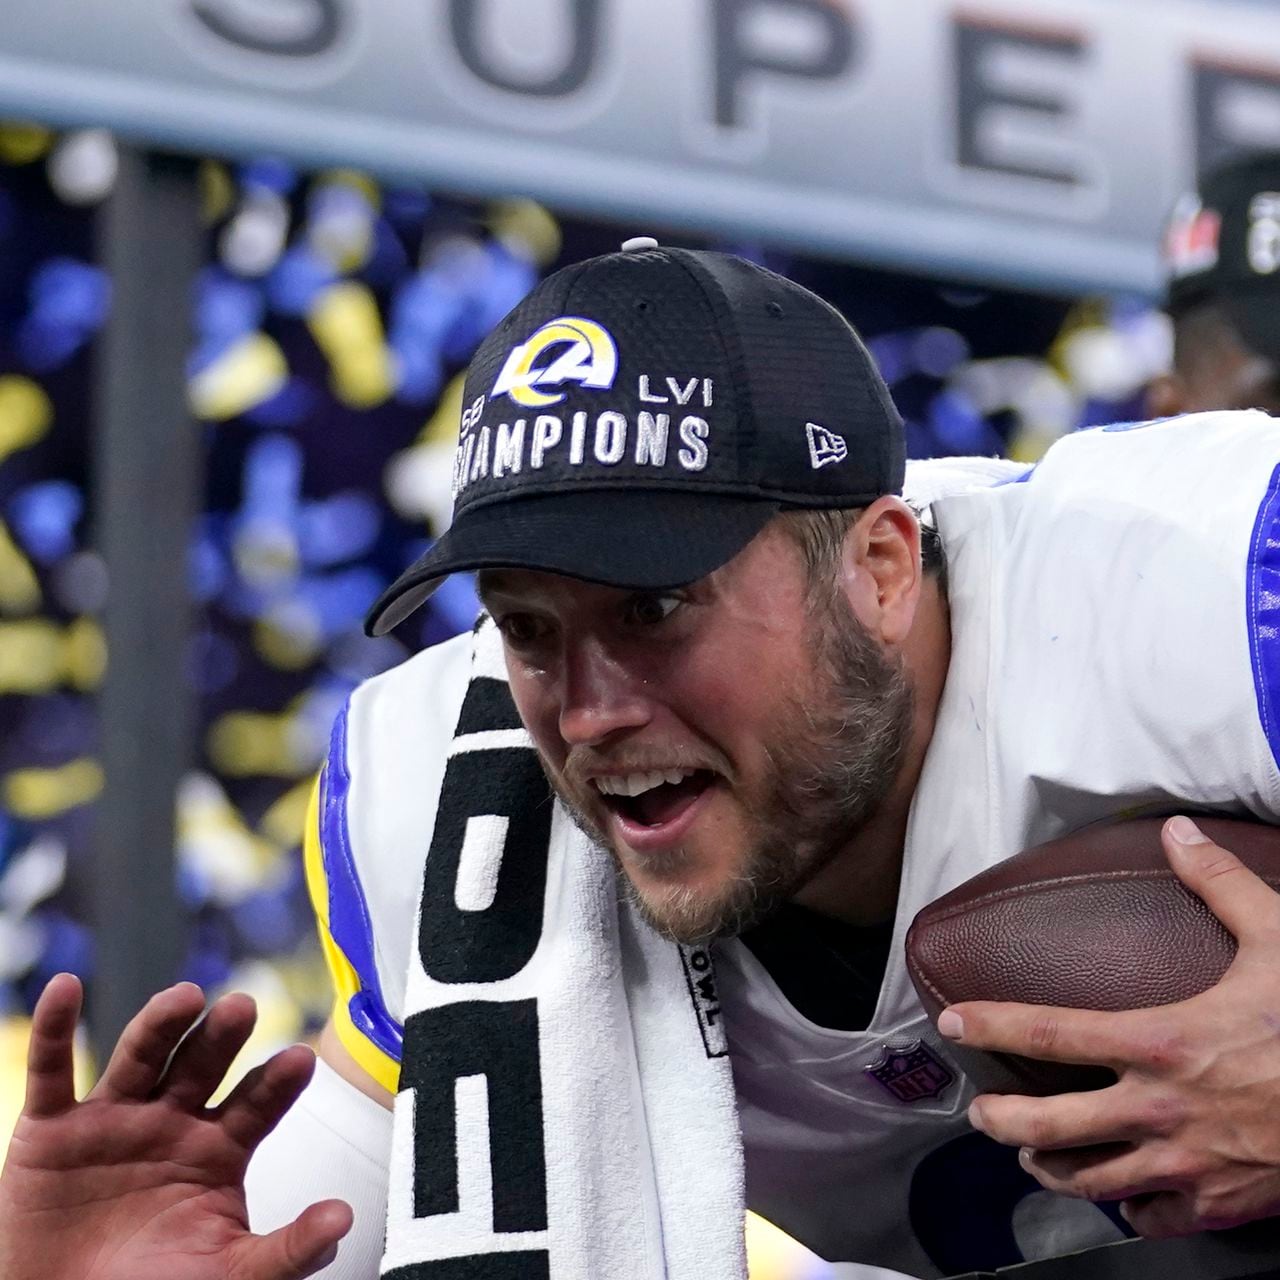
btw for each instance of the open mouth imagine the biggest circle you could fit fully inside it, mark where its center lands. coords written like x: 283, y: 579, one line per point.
x: 655, y: 798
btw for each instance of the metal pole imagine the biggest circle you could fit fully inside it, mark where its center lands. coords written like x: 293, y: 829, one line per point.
x: 148, y: 470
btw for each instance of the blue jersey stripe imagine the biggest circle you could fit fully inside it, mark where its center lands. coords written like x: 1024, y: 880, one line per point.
x: 349, y: 922
x: 1263, y: 604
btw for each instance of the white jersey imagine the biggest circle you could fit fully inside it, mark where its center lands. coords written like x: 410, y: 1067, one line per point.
x: 1115, y: 650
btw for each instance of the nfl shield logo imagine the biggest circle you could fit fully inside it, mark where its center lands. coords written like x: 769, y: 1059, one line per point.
x: 911, y: 1072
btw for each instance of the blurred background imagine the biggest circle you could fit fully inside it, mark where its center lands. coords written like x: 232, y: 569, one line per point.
x: 321, y: 207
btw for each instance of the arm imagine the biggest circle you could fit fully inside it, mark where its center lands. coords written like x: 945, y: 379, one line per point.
x: 142, y: 1180
x: 331, y: 1051
x: 337, y: 1139
x: 335, y: 1142
x: 1189, y: 1136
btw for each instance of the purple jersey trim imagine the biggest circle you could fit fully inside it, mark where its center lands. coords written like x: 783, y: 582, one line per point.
x: 349, y: 922
x: 1263, y: 603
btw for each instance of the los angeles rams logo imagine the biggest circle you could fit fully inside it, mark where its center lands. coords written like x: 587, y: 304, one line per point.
x: 590, y: 356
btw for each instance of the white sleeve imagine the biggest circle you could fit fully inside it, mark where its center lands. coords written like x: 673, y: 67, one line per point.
x: 1135, y: 645
x: 334, y: 1143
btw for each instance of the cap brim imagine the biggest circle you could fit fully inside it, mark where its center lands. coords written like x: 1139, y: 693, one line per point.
x: 642, y: 539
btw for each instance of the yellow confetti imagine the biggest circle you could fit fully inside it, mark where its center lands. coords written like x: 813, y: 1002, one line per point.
x: 85, y: 654
x: 345, y: 237
x: 37, y: 656
x: 22, y: 142
x: 38, y: 794
x: 357, y: 181
x: 245, y: 744
x: 1088, y: 313
x: 31, y: 656
x: 26, y: 414
x: 283, y: 823
x: 217, y: 191
x: 527, y: 229
x: 19, y: 589
x: 246, y: 374
x: 265, y: 550
x: 442, y: 426
x: 214, y: 838
x: 289, y: 639
x: 348, y: 329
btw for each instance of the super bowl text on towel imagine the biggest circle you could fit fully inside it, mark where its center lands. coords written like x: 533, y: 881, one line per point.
x: 486, y: 788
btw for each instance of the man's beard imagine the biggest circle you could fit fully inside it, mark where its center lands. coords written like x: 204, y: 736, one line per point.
x: 831, y: 759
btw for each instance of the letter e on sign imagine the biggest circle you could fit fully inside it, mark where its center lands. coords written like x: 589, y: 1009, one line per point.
x: 1018, y: 88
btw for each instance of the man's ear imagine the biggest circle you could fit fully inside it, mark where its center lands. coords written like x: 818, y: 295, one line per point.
x: 882, y: 571
x: 1166, y: 396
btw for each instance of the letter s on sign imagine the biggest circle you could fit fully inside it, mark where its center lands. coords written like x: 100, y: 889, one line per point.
x: 293, y: 28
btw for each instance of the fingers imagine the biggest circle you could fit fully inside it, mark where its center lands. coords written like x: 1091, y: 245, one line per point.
x: 205, y: 1055
x: 1160, y: 1216
x: 50, y: 1070
x: 259, y: 1102
x: 1040, y: 1031
x: 1113, y: 1172
x: 1244, y: 902
x: 301, y: 1249
x: 1116, y: 1114
x: 147, y: 1042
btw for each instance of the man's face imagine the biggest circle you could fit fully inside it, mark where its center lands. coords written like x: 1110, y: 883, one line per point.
x: 1214, y: 368
x: 724, y: 740
x: 1239, y: 380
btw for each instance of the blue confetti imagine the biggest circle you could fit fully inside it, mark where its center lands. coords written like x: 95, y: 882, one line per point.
x: 44, y: 517
x: 339, y: 528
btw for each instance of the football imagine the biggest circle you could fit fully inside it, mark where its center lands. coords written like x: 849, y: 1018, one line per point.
x: 1094, y: 920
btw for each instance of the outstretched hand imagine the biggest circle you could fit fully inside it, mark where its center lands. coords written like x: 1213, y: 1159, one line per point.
x: 142, y: 1180
x: 1189, y: 1135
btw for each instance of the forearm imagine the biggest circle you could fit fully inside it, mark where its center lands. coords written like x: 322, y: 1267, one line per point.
x: 335, y: 1142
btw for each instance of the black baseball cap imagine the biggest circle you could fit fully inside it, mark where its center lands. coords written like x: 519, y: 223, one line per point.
x: 1222, y: 245
x: 641, y: 416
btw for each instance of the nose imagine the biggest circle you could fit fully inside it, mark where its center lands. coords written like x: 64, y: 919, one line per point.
x: 600, y: 696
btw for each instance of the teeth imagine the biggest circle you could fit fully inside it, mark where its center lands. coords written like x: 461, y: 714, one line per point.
x: 636, y: 784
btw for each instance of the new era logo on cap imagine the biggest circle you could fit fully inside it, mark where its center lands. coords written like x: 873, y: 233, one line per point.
x: 824, y: 446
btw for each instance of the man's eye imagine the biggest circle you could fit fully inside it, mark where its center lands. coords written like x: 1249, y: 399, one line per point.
x: 648, y: 610
x: 520, y: 629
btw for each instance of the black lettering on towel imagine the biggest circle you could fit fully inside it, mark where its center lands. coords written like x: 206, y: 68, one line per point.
x: 521, y: 1264
x: 499, y: 1040
x: 495, y: 1039
x: 487, y: 946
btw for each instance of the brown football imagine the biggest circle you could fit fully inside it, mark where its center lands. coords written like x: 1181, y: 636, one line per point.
x: 1095, y: 920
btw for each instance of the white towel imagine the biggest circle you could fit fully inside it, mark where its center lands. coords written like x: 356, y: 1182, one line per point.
x: 929, y: 479
x: 583, y: 1063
